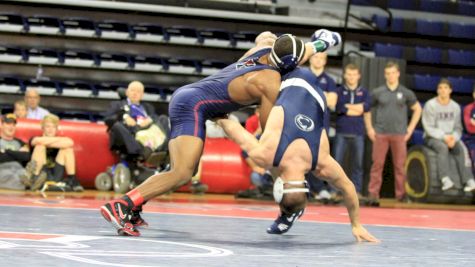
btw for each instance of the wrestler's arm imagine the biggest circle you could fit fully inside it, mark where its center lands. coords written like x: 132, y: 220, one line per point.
x: 333, y: 173
x: 238, y: 134
x: 269, y: 82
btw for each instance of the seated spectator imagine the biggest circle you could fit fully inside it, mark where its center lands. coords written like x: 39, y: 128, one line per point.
x: 54, y: 155
x: 19, y: 109
x: 469, y: 121
x: 32, y: 100
x: 134, y: 130
x: 14, y: 154
x: 352, y: 104
x: 442, y: 122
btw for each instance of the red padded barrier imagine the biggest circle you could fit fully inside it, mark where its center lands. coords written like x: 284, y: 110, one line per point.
x: 224, y: 170
x: 91, y: 145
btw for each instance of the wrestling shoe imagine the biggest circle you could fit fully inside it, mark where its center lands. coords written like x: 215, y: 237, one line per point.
x: 136, y: 219
x: 284, y: 222
x: 118, y: 213
x: 325, y: 39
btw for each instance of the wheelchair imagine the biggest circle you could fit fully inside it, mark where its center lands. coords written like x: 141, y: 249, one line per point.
x: 127, y: 174
x: 130, y: 172
x: 423, y: 183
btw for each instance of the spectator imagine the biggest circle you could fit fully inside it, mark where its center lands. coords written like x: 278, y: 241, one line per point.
x: 317, y: 65
x: 32, y: 99
x: 20, y: 109
x: 469, y: 120
x: 54, y: 155
x: 353, y: 102
x: 390, y: 104
x: 134, y: 128
x: 442, y: 123
x: 14, y: 154
x: 318, y: 62
x: 469, y: 116
x: 252, y: 123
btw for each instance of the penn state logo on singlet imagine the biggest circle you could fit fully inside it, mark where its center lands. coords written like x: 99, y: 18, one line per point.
x: 304, y: 123
x: 246, y: 64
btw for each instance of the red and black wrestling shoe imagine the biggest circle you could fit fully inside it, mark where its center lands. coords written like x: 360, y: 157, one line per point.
x: 136, y: 219
x: 118, y: 213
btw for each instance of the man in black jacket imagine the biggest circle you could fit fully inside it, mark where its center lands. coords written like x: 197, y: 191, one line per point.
x: 14, y: 154
x: 126, y: 117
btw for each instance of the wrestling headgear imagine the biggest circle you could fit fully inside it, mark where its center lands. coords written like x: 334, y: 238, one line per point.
x: 287, y: 52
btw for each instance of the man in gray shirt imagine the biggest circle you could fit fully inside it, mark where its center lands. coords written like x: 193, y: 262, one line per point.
x: 390, y: 103
x: 442, y: 123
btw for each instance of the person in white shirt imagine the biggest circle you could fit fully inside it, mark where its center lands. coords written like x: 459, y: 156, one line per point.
x: 32, y: 99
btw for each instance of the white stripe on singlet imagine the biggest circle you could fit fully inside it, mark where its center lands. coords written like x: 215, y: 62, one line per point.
x: 299, y: 82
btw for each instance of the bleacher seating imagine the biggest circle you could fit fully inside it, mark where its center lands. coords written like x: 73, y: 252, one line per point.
x: 45, y: 25
x: 466, y: 8
x: 115, y: 30
x: 80, y: 27
x: 13, y: 23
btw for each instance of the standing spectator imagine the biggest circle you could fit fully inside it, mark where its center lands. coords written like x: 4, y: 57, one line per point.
x: 318, y: 62
x: 14, y: 154
x: 317, y: 65
x: 469, y: 121
x: 32, y: 99
x: 390, y: 104
x: 353, y: 102
x: 54, y: 155
x: 20, y: 109
x: 442, y: 123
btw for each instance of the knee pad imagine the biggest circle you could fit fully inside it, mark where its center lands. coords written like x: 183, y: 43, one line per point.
x: 279, y: 189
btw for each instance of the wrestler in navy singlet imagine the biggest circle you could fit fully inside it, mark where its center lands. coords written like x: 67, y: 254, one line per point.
x: 191, y: 105
x: 304, y: 109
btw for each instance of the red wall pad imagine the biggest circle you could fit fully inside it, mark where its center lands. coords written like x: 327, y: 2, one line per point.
x: 224, y: 169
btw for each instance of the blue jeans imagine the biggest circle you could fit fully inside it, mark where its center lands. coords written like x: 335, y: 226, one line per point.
x: 355, y: 145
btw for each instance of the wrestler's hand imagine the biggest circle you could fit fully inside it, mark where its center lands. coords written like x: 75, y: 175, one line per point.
x: 361, y: 234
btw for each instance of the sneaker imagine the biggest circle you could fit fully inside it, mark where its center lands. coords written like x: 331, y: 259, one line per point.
x: 372, y: 202
x: 37, y: 181
x: 447, y: 183
x: 136, y: 219
x: 404, y: 199
x: 75, y: 185
x: 118, y: 213
x: 283, y: 223
x: 469, y: 186
x: 198, y: 188
x: 26, y: 178
x: 323, y: 196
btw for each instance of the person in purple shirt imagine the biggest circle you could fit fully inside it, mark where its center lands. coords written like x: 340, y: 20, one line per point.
x: 353, y: 103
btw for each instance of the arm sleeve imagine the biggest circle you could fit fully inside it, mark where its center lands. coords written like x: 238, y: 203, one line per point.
x: 373, y: 99
x: 366, y: 101
x: 19, y: 156
x: 428, y: 122
x: 411, y: 98
x: 340, y: 104
x: 458, y: 128
x: 467, y: 112
x: 331, y: 85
